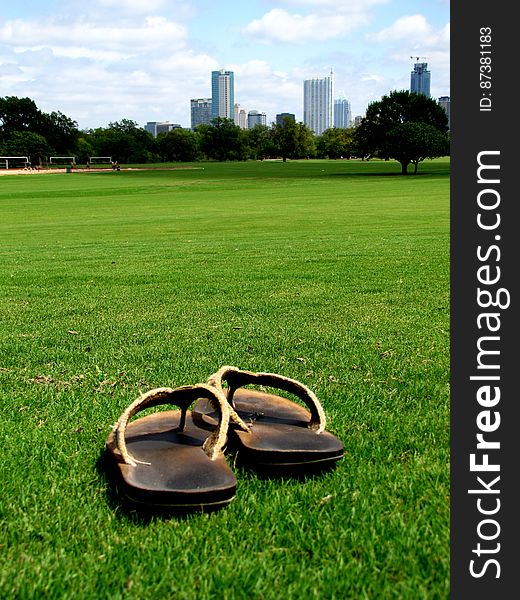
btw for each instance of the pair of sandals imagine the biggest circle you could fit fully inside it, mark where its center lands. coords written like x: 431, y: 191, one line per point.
x: 175, y: 459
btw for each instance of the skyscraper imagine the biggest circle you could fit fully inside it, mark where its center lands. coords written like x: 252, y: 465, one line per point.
x: 445, y: 102
x: 240, y: 116
x: 342, y: 114
x: 256, y: 118
x: 318, y: 103
x: 222, y: 94
x: 280, y: 118
x: 420, y: 79
x: 157, y: 127
x: 200, y: 112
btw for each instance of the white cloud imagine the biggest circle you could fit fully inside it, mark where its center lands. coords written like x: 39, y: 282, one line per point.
x: 412, y: 37
x: 259, y: 87
x: 133, y: 6
x: 413, y: 29
x: 327, y: 20
x: 53, y: 33
x: 91, y: 70
x: 282, y: 26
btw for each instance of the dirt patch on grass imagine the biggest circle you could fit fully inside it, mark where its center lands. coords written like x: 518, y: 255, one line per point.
x: 29, y: 171
x: 91, y: 170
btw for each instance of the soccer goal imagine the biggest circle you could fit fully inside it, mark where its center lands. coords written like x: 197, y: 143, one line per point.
x: 100, y: 160
x: 14, y: 162
x: 62, y: 160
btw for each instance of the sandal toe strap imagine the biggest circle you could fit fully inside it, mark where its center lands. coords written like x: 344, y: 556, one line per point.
x: 236, y: 378
x: 182, y: 397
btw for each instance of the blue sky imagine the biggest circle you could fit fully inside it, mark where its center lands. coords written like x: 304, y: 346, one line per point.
x: 100, y: 61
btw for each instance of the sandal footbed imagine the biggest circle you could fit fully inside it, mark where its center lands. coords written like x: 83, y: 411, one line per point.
x: 279, y: 433
x: 179, y: 472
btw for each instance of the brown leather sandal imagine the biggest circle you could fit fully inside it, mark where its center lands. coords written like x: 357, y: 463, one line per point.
x: 270, y: 432
x: 165, y: 460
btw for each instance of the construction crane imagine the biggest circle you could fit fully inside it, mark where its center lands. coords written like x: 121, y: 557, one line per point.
x: 417, y: 58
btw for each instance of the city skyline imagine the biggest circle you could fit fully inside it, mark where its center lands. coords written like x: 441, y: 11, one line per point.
x: 322, y: 107
x: 99, y: 64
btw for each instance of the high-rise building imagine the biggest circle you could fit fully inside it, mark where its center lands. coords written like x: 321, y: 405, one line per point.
x: 240, y: 116
x: 200, y: 112
x: 255, y: 118
x: 222, y: 94
x: 342, y: 113
x: 282, y: 116
x: 420, y: 79
x: 445, y: 102
x: 157, y: 127
x: 318, y: 103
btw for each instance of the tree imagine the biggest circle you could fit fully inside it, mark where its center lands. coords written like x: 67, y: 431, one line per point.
x: 335, y: 143
x: 305, y: 142
x: 27, y: 143
x: 178, y: 145
x: 292, y: 139
x: 384, y: 116
x: 222, y: 140
x: 414, y: 142
x: 260, y: 142
x: 83, y: 149
x: 19, y: 114
x: 60, y: 131
x: 125, y: 141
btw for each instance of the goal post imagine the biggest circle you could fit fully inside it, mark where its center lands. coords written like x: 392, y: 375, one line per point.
x: 14, y: 162
x: 100, y: 160
x: 62, y: 160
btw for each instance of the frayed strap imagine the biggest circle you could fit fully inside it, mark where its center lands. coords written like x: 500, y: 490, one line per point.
x: 183, y: 397
x: 235, y: 378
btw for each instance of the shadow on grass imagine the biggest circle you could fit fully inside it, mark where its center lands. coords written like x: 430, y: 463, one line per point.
x: 385, y: 174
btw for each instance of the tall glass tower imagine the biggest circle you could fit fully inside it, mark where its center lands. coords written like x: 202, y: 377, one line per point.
x: 342, y: 113
x: 318, y: 103
x: 420, y: 79
x: 200, y: 112
x: 445, y: 102
x: 222, y: 94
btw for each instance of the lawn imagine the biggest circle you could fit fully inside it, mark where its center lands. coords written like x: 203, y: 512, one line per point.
x: 335, y: 273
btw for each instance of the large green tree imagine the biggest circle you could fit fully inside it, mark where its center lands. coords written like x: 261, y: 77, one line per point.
x: 21, y: 115
x: 378, y: 133
x: 260, y: 142
x: 61, y: 132
x: 293, y: 140
x: 26, y: 143
x: 124, y: 141
x: 223, y: 140
x: 411, y: 143
x: 178, y: 145
x: 335, y: 143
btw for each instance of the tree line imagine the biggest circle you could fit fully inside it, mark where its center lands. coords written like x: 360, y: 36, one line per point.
x: 403, y: 126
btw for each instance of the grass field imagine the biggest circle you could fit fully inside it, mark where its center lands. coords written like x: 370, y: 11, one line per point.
x: 334, y: 273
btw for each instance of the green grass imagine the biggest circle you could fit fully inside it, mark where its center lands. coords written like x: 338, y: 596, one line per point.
x: 334, y: 273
